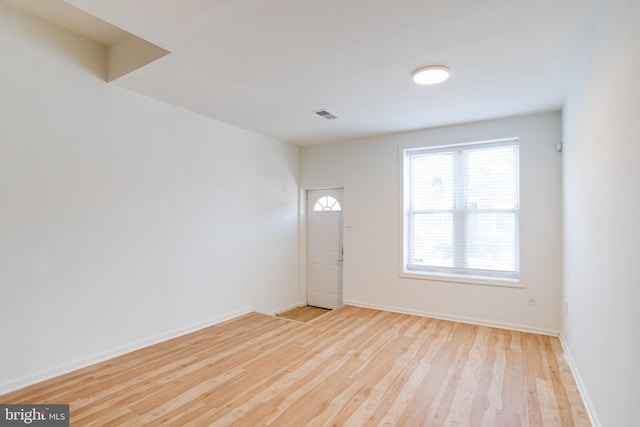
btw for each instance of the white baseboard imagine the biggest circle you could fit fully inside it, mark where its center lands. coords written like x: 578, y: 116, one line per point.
x: 591, y: 412
x: 461, y: 319
x: 28, y: 380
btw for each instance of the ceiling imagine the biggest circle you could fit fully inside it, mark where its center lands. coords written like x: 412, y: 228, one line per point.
x: 266, y: 65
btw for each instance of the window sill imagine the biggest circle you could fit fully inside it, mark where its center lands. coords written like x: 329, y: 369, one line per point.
x: 458, y: 278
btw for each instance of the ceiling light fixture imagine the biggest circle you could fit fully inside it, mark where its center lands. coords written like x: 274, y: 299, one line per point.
x: 431, y: 75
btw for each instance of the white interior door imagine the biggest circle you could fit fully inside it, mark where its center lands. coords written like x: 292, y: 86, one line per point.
x: 324, y: 248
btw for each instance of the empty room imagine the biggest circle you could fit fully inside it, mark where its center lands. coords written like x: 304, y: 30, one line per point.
x: 340, y: 213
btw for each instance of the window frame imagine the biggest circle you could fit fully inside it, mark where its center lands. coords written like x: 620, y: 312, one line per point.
x: 453, y: 274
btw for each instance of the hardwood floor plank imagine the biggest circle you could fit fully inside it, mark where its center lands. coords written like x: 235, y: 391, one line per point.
x: 303, y: 314
x: 351, y: 366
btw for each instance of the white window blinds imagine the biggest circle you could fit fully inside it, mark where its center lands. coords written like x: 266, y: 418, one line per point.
x: 462, y: 209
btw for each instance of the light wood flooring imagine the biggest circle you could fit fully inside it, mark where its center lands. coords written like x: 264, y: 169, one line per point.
x: 305, y: 313
x: 350, y: 367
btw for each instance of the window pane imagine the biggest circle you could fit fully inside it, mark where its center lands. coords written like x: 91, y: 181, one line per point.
x: 432, y: 181
x: 491, y: 241
x: 491, y: 178
x: 433, y: 240
x: 327, y: 203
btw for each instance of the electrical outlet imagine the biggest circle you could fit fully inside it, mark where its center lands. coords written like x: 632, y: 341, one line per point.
x: 532, y: 300
x: 566, y: 307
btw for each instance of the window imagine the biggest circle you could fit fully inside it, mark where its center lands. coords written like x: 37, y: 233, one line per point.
x: 461, y: 210
x: 327, y: 203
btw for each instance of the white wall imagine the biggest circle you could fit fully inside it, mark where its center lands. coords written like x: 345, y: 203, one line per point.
x: 601, y: 214
x: 369, y: 171
x: 124, y: 220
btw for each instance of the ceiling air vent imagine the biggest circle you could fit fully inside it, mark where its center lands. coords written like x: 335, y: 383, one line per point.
x: 324, y: 113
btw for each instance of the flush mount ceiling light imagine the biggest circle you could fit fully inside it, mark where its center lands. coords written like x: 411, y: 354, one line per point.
x: 431, y: 75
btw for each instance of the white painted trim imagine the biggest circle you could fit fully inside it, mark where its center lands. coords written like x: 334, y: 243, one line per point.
x: 28, y: 380
x: 461, y: 319
x: 302, y: 247
x: 462, y: 278
x: 591, y: 411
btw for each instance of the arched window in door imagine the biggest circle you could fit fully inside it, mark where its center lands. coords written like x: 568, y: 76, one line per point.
x: 327, y: 203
